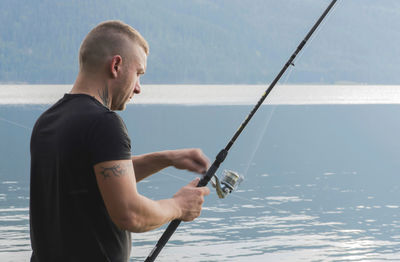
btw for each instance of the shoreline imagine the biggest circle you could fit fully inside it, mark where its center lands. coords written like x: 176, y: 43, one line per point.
x: 219, y: 94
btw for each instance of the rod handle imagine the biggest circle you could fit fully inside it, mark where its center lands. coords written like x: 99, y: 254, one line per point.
x: 163, y: 240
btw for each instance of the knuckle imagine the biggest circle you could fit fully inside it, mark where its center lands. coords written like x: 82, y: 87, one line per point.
x: 196, y: 152
x: 205, y: 191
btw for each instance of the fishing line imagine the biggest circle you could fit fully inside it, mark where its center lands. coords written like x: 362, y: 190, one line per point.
x: 176, y: 177
x: 221, y: 156
x: 312, y: 38
x: 267, y: 122
x: 287, y: 76
x: 15, y: 123
x: 260, y: 138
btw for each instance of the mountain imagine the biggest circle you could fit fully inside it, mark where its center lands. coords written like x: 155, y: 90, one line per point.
x: 209, y: 41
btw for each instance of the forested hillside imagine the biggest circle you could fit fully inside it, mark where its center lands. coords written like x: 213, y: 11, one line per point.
x: 208, y: 41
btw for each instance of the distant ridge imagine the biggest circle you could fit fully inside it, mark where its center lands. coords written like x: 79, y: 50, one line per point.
x: 208, y: 41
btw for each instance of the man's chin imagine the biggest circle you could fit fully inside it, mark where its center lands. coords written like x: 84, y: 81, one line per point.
x: 119, y: 108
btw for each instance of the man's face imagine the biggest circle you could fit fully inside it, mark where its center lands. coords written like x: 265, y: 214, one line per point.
x: 129, y: 83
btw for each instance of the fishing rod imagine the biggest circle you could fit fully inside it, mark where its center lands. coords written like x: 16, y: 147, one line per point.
x: 231, y: 177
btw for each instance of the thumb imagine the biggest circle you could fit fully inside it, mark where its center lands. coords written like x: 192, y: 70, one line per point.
x: 194, y: 182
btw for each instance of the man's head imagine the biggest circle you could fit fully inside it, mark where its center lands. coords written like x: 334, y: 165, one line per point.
x: 116, y: 52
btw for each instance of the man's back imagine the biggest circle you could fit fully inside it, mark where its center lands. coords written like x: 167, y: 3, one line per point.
x: 69, y: 221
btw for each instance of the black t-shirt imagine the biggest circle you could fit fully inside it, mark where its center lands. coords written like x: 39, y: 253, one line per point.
x: 68, y: 218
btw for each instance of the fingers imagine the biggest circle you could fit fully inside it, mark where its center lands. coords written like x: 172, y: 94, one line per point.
x: 190, y: 200
x: 204, y: 190
x: 190, y: 159
x: 200, y: 159
x: 196, y: 167
x: 194, y: 182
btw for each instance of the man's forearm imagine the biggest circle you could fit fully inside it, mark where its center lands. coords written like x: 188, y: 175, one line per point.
x: 148, y: 164
x: 190, y: 159
x: 134, y: 212
x: 152, y: 214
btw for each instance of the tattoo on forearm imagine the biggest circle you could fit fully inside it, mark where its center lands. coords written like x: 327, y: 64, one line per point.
x: 114, y: 171
x: 104, y: 96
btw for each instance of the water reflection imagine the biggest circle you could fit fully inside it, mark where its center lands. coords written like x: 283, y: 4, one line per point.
x: 260, y: 229
x: 243, y: 228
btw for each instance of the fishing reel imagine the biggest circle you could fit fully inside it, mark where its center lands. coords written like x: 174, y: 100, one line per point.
x: 229, y: 182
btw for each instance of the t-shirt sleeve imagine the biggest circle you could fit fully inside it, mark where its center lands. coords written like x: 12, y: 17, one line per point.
x: 109, y: 139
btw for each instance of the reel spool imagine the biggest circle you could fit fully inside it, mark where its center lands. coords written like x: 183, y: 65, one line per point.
x: 229, y: 182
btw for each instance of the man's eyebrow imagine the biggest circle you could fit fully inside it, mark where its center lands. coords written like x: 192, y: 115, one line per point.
x: 141, y: 71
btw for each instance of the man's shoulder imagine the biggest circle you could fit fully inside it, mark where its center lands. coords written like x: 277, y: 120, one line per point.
x: 80, y: 102
x: 78, y: 109
x: 109, y: 119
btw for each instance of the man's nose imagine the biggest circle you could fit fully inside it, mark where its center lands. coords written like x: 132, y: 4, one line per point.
x: 137, y: 88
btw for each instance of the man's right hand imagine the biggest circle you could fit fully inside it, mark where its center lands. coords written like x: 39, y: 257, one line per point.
x: 190, y: 199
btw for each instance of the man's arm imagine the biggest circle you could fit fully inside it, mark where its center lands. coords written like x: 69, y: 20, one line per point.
x: 190, y: 159
x: 133, y: 212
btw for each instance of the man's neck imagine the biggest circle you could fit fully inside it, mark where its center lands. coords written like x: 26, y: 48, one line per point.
x: 93, y: 86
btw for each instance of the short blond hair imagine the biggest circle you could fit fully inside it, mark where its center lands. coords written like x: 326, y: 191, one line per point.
x: 108, y: 38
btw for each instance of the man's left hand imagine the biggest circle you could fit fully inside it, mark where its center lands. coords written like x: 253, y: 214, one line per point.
x: 189, y: 159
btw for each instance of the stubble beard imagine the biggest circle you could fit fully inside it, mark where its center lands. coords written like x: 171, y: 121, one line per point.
x: 121, y: 105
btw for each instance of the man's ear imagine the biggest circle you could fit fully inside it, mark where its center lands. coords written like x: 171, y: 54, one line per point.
x: 116, y: 65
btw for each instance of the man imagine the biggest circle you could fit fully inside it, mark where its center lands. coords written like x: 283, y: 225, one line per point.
x: 83, y: 199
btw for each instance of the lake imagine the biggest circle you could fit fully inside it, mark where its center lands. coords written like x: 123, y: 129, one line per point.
x: 320, y: 165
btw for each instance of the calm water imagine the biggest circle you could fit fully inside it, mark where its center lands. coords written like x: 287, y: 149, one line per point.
x: 321, y: 181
